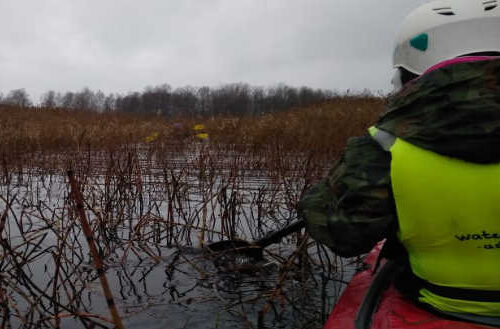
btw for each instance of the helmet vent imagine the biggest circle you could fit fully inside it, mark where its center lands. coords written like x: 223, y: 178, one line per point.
x: 490, y: 4
x: 447, y: 11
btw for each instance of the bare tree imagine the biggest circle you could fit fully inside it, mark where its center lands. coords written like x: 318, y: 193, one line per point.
x: 67, y: 100
x: 204, y: 100
x: 84, y: 100
x: 48, y: 99
x: 109, y: 103
x: 99, y: 100
x: 258, y: 100
x: 184, y: 100
x: 18, y: 97
x: 236, y: 98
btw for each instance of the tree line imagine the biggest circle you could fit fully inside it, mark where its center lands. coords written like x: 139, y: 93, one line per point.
x: 236, y: 98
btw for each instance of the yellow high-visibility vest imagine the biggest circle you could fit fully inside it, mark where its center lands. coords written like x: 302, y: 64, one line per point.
x: 449, y: 222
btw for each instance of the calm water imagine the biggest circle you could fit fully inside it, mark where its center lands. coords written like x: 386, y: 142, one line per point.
x: 150, y: 237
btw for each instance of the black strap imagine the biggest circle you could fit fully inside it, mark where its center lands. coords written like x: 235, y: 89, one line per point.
x: 461, y: 293
x: 486, y: 320
x: 374, y: 294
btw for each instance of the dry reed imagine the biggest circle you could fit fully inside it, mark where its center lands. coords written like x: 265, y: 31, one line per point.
x: 150, y: 185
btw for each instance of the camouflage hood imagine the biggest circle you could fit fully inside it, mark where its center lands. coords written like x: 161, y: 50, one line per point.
x: 454, y: 111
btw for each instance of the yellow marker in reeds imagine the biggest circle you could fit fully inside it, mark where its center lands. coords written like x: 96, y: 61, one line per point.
x: 198, y: 128
x: 201, y: 136
x: 151, y: 137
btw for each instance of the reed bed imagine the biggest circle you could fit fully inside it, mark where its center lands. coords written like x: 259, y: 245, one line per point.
x: 322, y: 129
x: 154, y: 192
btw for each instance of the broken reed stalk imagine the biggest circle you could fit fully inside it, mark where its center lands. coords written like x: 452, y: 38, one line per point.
x: 204, y: 222
x: 77, y: 197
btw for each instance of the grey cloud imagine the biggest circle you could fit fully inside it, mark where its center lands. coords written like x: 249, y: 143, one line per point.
x: 120, y: 46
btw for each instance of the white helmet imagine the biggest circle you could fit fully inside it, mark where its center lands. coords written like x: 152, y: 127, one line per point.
x: 445, y: 29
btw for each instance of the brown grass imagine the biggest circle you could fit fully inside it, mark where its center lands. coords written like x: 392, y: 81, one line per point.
x: 322, y: 129
x: 37, y: 129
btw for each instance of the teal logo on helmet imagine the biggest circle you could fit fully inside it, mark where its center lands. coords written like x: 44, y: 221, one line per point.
x: 420, y: 42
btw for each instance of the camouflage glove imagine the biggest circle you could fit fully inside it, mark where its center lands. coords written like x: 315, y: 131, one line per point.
x: 352, y: 208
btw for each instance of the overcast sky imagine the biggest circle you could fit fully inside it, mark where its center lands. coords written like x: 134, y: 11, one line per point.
x: 119, y: 46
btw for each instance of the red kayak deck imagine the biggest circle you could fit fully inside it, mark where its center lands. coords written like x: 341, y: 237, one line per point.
x: 394, y: 311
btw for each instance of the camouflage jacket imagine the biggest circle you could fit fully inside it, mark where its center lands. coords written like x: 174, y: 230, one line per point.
x: 453, y: 111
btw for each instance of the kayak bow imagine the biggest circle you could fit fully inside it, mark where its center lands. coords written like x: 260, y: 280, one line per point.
x: 373, y: 302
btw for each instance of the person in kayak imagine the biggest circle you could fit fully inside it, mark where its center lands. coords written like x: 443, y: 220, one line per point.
x: 426, y: 176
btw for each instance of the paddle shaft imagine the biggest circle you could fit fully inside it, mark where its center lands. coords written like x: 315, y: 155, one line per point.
x: 256, y: 246
x: 276, y: 237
